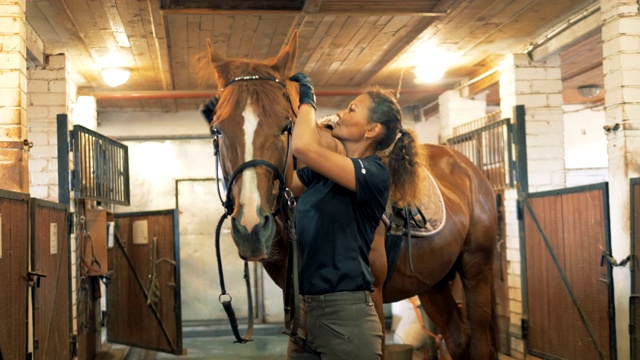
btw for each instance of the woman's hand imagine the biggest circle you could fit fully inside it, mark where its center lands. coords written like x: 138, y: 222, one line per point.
x: 307, y: 96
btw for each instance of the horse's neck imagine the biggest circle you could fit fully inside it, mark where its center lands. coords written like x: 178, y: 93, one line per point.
x: 328, y: 141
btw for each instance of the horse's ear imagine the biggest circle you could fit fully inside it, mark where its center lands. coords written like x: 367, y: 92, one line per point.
x: 214, y: 56
x: 218, y: 62
x: 286, y: 60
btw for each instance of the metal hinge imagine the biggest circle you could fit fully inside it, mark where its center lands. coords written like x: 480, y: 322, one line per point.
x: 36, y: 344
x: 524, y: 327
x: 74, y: 345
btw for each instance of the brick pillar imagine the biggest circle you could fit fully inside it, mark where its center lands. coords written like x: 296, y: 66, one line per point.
x: 455, y: 110
x: 621, y: 66
x: 14, y: 167
x: 537, y: 86
x: 49, y: 95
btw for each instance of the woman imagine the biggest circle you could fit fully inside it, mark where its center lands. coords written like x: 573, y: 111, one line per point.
x: 342, y: 199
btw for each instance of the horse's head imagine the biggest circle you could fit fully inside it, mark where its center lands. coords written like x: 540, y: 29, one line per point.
x: 253, y: 119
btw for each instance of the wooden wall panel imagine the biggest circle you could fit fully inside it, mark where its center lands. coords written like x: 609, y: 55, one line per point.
x: 574, y: 222
x: 130, y: 320
x: 51, y: 303
x: 635, y: 277
x: 14, y: 245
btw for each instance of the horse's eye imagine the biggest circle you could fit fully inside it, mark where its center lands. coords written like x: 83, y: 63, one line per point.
x: 286, y: 129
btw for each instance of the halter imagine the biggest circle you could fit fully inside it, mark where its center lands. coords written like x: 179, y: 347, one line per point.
x: 227, y: 203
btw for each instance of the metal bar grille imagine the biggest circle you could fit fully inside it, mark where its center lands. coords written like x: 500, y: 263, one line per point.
x: 101, y: 167
x: 487, y: 142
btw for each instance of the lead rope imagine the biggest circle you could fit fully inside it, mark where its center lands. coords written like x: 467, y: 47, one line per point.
x: 292, y: 317
x: 226, y: 303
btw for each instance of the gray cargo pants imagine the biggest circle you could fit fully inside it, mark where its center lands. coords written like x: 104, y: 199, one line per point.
x: 341, y: 325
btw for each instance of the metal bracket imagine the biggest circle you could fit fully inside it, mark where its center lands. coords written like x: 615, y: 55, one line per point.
x: 34, y: 277
x: 73, y: 343
x: 611, y: 260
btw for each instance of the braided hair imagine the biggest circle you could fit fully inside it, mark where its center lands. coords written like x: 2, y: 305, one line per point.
x: 399, y: 149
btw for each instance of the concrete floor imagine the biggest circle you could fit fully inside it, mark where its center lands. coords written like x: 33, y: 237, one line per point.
x: 216, y: 342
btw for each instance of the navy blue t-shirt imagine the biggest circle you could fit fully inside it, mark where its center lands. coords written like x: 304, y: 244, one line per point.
x: 335, y: 228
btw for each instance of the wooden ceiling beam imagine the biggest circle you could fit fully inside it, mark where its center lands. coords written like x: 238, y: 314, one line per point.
x: 569, y: 33
x: 205, y: 94
x: 319, y: 12
x: 309, y: 7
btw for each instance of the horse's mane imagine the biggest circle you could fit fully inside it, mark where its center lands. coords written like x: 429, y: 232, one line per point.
x: 267, y: 97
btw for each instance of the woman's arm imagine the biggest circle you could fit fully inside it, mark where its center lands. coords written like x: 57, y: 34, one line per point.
x: 297, y: 188
x: 306, y: 143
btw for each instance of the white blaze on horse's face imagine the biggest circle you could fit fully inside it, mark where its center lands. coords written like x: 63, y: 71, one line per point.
x: 250, y: 197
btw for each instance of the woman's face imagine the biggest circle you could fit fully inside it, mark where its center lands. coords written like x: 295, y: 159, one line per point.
x: 354, y: 120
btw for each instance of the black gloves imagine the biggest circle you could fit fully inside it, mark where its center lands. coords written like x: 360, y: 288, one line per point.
x: 208, y: 109
x: 307, y: 95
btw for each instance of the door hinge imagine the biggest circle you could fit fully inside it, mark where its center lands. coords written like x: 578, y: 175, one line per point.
x: 524, y: 327
x: 36, y: 344
x: 74, y: 345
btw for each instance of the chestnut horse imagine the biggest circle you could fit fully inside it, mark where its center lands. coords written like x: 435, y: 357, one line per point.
x: 255, y: 105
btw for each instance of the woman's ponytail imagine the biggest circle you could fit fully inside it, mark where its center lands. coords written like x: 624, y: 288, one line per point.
x: 405, y: 158
x: 407, y: 163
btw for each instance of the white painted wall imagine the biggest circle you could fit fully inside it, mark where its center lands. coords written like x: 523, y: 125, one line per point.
x: 585, y: 145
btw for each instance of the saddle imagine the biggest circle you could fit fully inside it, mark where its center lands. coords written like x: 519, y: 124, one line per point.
x: 426, y: 219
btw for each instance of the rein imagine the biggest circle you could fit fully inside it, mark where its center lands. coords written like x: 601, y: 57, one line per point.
x: 292, y: 320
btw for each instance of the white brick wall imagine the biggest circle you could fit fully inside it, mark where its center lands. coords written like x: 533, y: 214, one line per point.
x: 455, y: 110
x: 13, y: 98
x: 621, y: 66
x: 537, y: 86
x: 48, y: 95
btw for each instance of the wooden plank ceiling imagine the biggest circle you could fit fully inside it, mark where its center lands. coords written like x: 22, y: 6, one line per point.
x: 344, y: 45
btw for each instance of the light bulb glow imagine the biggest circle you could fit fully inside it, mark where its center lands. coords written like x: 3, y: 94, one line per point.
x: 428, y: 73
x: 116, y: 76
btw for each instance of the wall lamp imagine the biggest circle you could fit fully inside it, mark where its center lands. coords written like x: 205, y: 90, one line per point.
x: 589, y: 91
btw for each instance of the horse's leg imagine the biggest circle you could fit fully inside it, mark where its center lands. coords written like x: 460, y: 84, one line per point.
x: 476, y: 275
x: 378, y: 263
x: 442, y: 308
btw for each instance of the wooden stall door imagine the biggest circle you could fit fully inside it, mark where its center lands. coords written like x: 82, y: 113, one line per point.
x: 51, y: 301
x: 635, y: 282
x: 575, y: 222
x: 143, y: 297
x: 14, y: 242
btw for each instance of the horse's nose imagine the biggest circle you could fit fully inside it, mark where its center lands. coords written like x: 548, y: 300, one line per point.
x: 253, y: 242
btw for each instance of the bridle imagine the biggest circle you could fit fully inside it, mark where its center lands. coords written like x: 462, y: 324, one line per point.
x: 291, y: 317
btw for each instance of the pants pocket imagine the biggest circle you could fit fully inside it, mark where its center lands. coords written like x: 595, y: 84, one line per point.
x: 335, y: 331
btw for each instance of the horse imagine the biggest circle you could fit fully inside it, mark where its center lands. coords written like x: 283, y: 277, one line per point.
x: 256, y: 103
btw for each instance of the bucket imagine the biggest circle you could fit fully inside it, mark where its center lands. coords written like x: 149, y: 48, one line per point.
x: 398, y: 351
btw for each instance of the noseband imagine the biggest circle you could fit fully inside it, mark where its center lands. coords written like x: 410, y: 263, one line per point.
x: 292, y: 266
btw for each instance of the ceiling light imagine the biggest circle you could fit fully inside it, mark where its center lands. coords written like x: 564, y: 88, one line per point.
x: 589, y: 90
x: 428, y: 73
x: 116, y: 76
